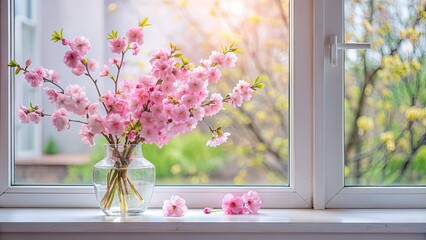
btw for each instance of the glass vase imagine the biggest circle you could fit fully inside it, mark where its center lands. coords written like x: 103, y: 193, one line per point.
x: 124, y: 180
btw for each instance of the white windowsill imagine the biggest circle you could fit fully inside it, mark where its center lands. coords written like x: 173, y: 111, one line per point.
x: 283, y: 222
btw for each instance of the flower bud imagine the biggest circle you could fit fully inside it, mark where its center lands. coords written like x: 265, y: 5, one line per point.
x: 28, y: 62
x: 207, y: 210
x: 65, y: 42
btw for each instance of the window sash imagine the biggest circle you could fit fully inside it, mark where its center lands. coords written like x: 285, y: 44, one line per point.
x: 297, y: 195
x: 329, y: 128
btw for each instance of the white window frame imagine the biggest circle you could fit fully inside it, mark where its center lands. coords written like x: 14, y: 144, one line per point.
x: 329, y: 189
x: 297, y: 195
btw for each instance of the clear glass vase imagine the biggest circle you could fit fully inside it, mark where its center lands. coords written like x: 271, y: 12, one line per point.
x: 124, y: 180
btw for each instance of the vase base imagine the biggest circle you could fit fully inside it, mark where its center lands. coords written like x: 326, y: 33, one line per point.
x: 117, y: 212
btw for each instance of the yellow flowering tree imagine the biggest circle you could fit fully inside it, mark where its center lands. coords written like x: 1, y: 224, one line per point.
x: 385, y: 97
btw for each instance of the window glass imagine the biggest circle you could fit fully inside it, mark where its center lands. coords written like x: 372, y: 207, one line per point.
x: 385, y: 93
x: 258, y: 149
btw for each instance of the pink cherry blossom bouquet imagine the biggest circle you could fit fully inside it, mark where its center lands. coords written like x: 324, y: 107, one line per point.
x: 172, y: 99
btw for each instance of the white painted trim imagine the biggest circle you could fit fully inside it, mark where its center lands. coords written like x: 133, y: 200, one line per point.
x: 5, y: 105
x: 333, y: 97
x: 268, y: 221
x: 301, y: 95
x: 319, y: 125
x: 198, y: 197
x: 384, y: 190
x: 378, y: 198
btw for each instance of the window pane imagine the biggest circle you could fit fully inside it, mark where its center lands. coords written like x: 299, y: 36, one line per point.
x: 385, y: 93
x: 257, y: 152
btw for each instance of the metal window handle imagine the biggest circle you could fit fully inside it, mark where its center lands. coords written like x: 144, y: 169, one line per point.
x: 334, y: 46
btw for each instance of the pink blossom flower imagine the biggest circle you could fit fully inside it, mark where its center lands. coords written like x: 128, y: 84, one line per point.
x: 117, y: 45
x: 217, y: 58
x: 22, y: 114
x: 168, y: 87
x: 105, y: 71
x: 199, y: 73
x: 218, y: 140
x: 41, y: 71
x: 34, y: 79
x: 160, y: 54
x: 92, y: 65
x: 120, y: 107
x: 52, y: 94
x: 157, y: 96
x: 131, y: 136
x: 114, y: 61
x: 74, y: 99
x: 191, y: 123
x: 141, y: 96
x: 205, y: 63
x: 236, y: 99
x: 108, y: 98
x: 189, y: 100
x: 182, y: 90
x: 81, y: 105
x: 232, y: 205
x: 148, y: 133
x: 162, y: 68
x: 63, y: 100
x: 60, y: 119
x: 252, y: 201
x: 135, y: 35
x: 195, y: 85
x: 93, y: 108
x: 81, y: 45
x: 214, y: 106
x: 244, y: 89
x: 202, y: 95
x: 180, y: 113
x: 161, y: 122
x: 175, y: 207
x: 30, y: 115
x: 146, y: 81
x: 72, y: 58
x: 157, y: 110
x: 126, y: 86
x: 53, y: 76
x: 96, y: 124
x: 115, y: 124
x: 198, y: 113
x: 213, y: 75
x: 79, y: 69
x: 135, y: 49
x: 86, y: 136
x: 34, y: 117
x: 230, y: 59
x: 146, y: 119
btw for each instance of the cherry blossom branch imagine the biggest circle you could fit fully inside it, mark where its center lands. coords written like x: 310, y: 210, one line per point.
x: 95, y: 81
x: 119, y: 69
x: 71, y: 120
x: 44, y: 79
x: 208, y: 125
